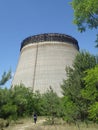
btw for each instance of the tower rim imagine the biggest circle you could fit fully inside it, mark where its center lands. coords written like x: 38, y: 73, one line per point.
x: 49, y: 37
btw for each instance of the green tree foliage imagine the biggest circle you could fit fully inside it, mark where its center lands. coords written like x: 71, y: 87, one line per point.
x: 51, y: 105
x: 83, y: 61
x: 70, y: 110
x: 91, y: 80
x: 23, y: 99
x: 7, y: 108
x: 9, y: 111
x: 90, y: 92
x: 5, y: 77
x: 85, y: 14
x: 16, y: 102
x: 74, y: 84
x: 38, y: 103
x: 21, y: 102
x: 93, y: 112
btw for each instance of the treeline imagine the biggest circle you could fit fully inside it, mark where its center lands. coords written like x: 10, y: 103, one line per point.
x: 21, y: 102
x: 79, y: 101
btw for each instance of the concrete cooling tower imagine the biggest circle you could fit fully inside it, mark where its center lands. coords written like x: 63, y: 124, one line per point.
x: 43, y: 59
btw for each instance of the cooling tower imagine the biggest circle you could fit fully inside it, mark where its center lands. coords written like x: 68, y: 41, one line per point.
x: 43, y: 59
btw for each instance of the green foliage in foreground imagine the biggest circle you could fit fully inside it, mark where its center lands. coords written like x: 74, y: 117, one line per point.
x: 80, y: 82
x: 14, y: 103
x: 90, y: 92
x: 21, y: 102
x: 51, y: 105
x: 86, y: 14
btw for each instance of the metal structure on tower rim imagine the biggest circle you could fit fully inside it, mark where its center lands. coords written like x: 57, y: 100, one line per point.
x: 49, y: 37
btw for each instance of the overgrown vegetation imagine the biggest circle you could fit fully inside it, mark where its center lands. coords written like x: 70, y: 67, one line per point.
x: 82, y: 79
x: 79, y: 101
x: 21, y: 102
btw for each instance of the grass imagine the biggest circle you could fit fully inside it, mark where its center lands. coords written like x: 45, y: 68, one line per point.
x: 63, y: 127
x: 27, y: 124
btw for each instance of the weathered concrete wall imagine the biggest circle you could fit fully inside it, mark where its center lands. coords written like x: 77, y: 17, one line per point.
x: 42, y: 65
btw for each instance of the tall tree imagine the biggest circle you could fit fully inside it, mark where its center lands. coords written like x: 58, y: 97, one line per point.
x: 74, y: 84
x: 90, y: 92
x: 86, y: 14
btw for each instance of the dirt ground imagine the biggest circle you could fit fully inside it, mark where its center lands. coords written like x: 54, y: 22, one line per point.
x: 28, y: 124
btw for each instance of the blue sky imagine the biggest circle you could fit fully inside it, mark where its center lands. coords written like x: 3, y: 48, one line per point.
x: 22, y: 18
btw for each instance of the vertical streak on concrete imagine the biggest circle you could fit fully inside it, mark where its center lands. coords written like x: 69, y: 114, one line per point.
x: 34, y: 74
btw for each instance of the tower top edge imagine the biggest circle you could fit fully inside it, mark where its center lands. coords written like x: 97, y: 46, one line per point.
x: 49, y: 37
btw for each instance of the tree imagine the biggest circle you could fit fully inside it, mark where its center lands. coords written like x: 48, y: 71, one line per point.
x: 23, y: 99
x: 85, y: 14
x: 70, y: 110
x: 74, y: 84
x: 51, y: 105
x: 18, y: 102
x: 90, y: 92
x: 5, y: 77
x: 83, y: 61
x: 8, y: 110
x: 38, y: 106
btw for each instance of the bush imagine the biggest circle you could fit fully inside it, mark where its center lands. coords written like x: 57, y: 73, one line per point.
x: 3, y: 123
